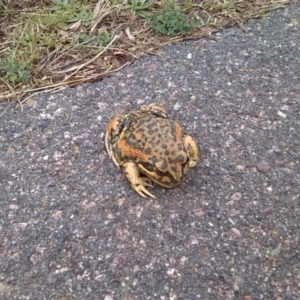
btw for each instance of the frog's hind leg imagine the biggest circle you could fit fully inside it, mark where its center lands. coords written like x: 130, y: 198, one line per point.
x: 192, y: 149
x: 137, y: 182
x: 155, y: 110
x: 113, y: 130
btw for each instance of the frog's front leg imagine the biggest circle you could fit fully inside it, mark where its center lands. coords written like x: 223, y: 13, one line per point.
x: 113, y: 130
x: 137, y: 182
x: 192, y: 149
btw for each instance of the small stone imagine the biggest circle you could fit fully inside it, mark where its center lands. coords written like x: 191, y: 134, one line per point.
x: 17, y: 144
x: 236, y: 196
x: 281, y: 114
x: 177, y: 106
x: 198, y: 212
x: 43, y: 143
x: 263, y: 166
x: 109, y: 216
x: 31, y: 102
x: 275, y: 252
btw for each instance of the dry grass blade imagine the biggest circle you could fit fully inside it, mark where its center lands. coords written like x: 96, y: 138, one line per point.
x: 67, y: 42
x: 79, y: 67
x: 102, y: 9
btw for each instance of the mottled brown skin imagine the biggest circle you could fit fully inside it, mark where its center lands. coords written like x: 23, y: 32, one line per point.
x: 150, y: 147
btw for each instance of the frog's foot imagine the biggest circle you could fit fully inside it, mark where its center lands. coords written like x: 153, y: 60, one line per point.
x: 192, y: 150
x: 137, y: 182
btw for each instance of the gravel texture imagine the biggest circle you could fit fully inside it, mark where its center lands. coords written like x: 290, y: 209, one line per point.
x: 70, y: 226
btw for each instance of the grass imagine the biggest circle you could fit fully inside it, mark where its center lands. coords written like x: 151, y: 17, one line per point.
x: 170, y: 22
x: 52, y: 44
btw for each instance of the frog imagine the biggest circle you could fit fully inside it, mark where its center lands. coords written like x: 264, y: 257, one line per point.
x: 150, y: 147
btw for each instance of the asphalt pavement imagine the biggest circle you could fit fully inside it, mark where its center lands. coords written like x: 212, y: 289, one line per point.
x: 72, y: 228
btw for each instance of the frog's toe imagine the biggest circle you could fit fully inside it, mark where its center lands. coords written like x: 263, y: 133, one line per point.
x: 137, y: 182
x: 142, y: 191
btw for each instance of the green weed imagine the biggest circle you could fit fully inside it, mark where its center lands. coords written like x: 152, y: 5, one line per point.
x: 15, y: 71
x: 82, y: 15
x: 169, y: 22
x: 136, y: 7
x: 102, y: 39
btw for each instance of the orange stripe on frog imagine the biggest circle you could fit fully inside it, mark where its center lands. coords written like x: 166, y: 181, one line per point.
x: 128, y: 151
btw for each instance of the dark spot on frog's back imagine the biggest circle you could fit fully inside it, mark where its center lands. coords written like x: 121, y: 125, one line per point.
x: 163, y: 165
x: 180, y: 147
x: 173, y: 169
x: 130, y: 137
x: 151, y: 132
x: 179, y: 158
x: 148, y: 151
x: 153, y: 160
x: 150, y: 126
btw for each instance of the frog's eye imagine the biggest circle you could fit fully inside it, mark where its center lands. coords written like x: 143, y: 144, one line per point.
x: 148, y: 167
